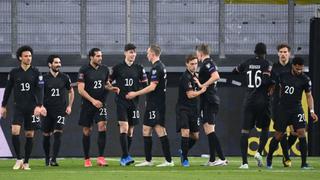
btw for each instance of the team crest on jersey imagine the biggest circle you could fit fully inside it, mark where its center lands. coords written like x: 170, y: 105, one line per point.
x: 154, y: 71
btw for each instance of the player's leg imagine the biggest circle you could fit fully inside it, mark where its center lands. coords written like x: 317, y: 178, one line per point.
x: 15, y: 131
x: 185, y: 136
x: 86, y: 121
x: 101, y: 141
x: 28, y: 148
x: 274, y: 146
x: 247, y: 125
x: 47, y: 126
x: 303, y: 147
x: 147, y: 137
x: 57, y: 133
x: 162, y: 134
x: 292, y: 137
x: 129, y: 136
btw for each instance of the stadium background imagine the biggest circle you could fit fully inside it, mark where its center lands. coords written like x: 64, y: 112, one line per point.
x: 232, y: 27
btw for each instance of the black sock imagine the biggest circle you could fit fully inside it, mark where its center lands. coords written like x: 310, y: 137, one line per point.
x: 46, y: 146
x: 124, y: 144
x: 244, y: 147
x: 291, y: 140
x: 185, y: 147
x: 28, y: 149
x: 284, y: 147
x: 86, y: 145
x: 129, y: 139
x: 56, y: 145
x: 148, y: 147
x: 16, y: 145
x: 263, y: 140
x: 192, y: 142
x: 218, y: 146
x: 101, y: 142
x: 166, y: 148
x: 303, y: 150
x: 272, y: 147
x: 212, y: 146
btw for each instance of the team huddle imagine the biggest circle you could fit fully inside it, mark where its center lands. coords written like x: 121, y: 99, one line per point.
x: 51, y: 96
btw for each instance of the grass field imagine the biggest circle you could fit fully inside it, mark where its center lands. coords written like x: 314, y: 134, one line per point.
x: 73, y: 169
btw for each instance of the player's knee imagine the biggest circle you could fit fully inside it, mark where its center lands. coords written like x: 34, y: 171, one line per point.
x: 15, y: 130
x: 29, y: 133
x: 194, y: 136
x: 185, y: 132
x: 86, y: 131
x: 161, y: 131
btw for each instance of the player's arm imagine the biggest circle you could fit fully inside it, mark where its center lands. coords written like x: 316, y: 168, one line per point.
x: 70, y: 100
x: 6, y: 95
x: 213, y: 78
x: 193, y: 94
x: 310, y: 103
x: 39, y: 93
x: 151, y: 87
x: 239, y: 69
x: 109, y: 87
x: 143, y: 78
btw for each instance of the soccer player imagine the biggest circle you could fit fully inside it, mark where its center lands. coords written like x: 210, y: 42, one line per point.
x: 209, y: 103
x: 56, y: 87
x: 128, y: 76
x: 92, y: 87
x: 256, y: 110
x: 283, y: 65
x: 187, y: 122
x: 27, y: 84
x: 154, y: 118
x: 292, y: 85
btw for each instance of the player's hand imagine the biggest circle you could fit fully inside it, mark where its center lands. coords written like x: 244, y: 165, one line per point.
x: 68, y: 110
x: 43, y: 111
x: 115, y: 90
x: 96, y: 103
x: 37, y: 111
x: 314, y: 117
x: 3, y: 112
x: 203, y: 89
x: 131, y: 95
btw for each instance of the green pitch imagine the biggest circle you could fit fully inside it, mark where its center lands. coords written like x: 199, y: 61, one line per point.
x: 301, y: 2
x: 73, y: 169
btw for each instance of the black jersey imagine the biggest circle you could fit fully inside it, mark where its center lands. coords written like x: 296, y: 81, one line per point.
x: 128, y: 78
x: 207, y: 68
x: 186, y: 84
x: 278, y: 69
x: 292, y: 87
x: 158, y: 74
x: 95, y: 81
x: 55, y: 90
x: 27, y: 86
x: 257, y: 82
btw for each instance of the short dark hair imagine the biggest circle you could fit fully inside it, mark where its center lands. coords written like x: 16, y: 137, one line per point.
x: 23, y: 49
x: 129, y: 46
x: 93, y: 51
x: 204, y: 48
x: 52, y: 57
x: 298, y: 61
x: 190, y: 57
x: 155, y: 49
x: 260, y: 49
x: 284, y: 45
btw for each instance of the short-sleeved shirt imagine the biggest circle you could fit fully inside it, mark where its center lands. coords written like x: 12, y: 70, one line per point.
x: 292, y: 87
x: 25, y: 85
x: 207, y: 68
x: 128, y: 78
x: 186, y: 84
x: 55, y: 90
x: 254, y: 69
x: 95, y: 81
x: 158, y: 74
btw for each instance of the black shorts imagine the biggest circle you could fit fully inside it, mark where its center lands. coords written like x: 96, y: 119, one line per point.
x: 208, y: 111
x: 256, y: 115
x: 128, y: 111
x: 287, y: 117
x: 90, y: 114
x: 25, y: 117
x: 54, y: 120
x: 187, y: 118
x: 154, y: 115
